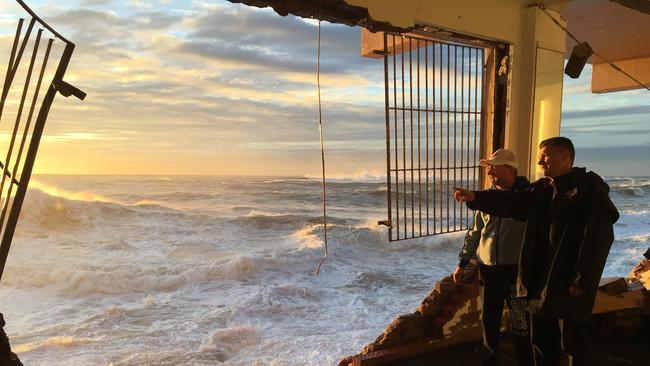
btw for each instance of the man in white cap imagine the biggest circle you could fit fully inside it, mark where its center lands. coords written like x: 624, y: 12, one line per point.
x: 495, y: 242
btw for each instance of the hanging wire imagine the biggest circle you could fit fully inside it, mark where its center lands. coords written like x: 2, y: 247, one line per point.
x: 322, y: 147
x: 612, y: 64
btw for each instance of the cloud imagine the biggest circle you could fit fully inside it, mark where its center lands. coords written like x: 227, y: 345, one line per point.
x: 260, y: 57
x: 137, y: 4
x: 261, y: 37
x: 229, y: 78
x: 607, y: 112
x: 96, y: 2
x: 79, y: 136
x: 605, y: 132
x: 615, y: 160
x: 103, y: 22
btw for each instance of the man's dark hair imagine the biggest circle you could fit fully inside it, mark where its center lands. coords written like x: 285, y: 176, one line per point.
x: 561, y: 142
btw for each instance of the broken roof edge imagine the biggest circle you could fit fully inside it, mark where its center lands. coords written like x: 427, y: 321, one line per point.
x: 333, y: 11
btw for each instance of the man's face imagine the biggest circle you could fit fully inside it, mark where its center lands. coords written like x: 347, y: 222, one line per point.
x: 498, y: 174
x: 553, y: 161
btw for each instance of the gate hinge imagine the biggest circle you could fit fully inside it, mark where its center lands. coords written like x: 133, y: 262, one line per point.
x: 385, y: 223
x: 67, y: 90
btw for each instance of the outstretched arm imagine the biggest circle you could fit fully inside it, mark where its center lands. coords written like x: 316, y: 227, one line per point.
x: 514, y: 204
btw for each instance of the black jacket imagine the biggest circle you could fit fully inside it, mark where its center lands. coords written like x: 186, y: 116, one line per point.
x: 569, y: 231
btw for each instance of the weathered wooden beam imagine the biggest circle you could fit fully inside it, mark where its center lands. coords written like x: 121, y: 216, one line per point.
x: 605, y: 79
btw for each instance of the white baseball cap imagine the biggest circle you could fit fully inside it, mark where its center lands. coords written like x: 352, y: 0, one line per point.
x: 500, y: 157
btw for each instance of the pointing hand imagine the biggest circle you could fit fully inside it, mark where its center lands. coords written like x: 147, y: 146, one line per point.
x: 463, y: 195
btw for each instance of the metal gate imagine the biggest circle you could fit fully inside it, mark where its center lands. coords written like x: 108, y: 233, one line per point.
x: 29, y: 66
x: 434, y: 94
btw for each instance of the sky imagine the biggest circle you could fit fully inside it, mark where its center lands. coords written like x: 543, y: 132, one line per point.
x: 211, y: 87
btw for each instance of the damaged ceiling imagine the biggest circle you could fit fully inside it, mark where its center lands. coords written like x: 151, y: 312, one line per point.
x: 333, y: 11
x: 617, y: 29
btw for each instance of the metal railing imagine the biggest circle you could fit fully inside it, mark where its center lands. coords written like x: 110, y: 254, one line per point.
x: 434, y: 94
x: 18, y: 103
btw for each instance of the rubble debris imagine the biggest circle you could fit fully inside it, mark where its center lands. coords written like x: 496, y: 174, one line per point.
x: 641, y: 273
x: 450, y: 315
x: 450, y: 309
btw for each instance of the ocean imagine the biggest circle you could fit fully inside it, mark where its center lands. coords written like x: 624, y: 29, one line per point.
x: 144, y: 270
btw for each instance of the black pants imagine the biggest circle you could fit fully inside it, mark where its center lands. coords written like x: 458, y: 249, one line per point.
x: 552, y: 335
x: 498, y: 285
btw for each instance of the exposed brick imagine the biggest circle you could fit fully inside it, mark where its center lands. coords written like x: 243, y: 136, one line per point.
x: 440, y: 321
x: 429, y: 308
x: 346, y: 361
x: 449, y: 309
x: 458, y: 299
x: 393, y: 339
x: 447, y: 287
x: 470, y: 289
x: 372, y: 347
x: 409, y: 320
x: 412, y: 334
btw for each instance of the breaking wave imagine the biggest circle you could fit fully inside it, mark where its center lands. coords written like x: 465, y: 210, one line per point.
x: 630, y: 191
x: 57, y: 342
x: 136, y: 278
x: 51, y: 208
x: 630, y: 186
x: 265, y: 220
x: 230, y: 341
x: 350, y: 178
x: 45, y: 210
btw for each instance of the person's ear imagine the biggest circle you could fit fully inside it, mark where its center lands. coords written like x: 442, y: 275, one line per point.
x: 566, y: 156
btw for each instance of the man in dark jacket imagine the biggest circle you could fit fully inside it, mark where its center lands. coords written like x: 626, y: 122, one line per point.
x: 495, y: 242
x: 569, y: 231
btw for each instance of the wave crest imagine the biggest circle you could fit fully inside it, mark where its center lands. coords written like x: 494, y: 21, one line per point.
x: 230, y: 341
x: 264, y: 220
x: 57, y: 342
x: 630, y: 191
x: 136, y: 278
x: 362, y: 176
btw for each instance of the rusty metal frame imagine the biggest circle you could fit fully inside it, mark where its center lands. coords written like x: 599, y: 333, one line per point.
x: 434, y: 102
x: 15, y: 156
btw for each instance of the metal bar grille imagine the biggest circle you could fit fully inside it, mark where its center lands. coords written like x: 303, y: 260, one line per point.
x: 22, y: 87
x: 433, y: 96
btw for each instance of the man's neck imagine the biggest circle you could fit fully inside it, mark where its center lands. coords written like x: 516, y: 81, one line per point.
x: 506, y: 185
x: 564, y: 172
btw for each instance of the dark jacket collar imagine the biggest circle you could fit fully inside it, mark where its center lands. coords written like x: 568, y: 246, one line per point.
x: 521, y: 183
x: 570, y: 180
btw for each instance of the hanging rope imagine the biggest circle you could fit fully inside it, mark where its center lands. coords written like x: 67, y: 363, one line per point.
x: 322, y: 147
x: 612, y: 64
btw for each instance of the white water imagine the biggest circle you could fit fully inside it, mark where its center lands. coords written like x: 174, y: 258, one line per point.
x: 205, y: 271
